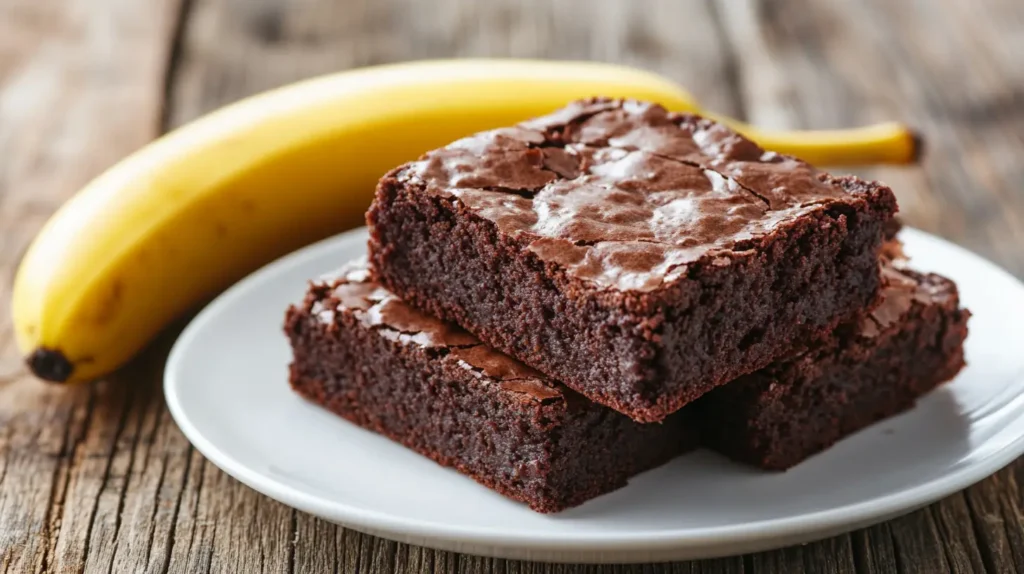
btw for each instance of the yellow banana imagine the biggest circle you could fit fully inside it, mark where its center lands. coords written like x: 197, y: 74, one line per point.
x: 184, y: 217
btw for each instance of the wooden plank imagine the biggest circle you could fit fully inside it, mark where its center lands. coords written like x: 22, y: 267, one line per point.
x: 832, y: 556
x: 234, y: 48
x: 81, y: 85
x: 192, y: 531
x: 149, y: 499
x: 918, y: 544
x: 319, y: 545
x: 784, y: 561
x: 995, y: 515
x: 955, y: 524
x: 730, y: 565
x: 874, y: 550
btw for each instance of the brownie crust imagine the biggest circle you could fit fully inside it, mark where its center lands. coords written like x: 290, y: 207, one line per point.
x: 364, y: 355
x: 866, y: 371
x: 638, y: 256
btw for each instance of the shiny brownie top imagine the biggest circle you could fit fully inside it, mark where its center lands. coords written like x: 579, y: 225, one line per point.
x: 902, y: 288
x: 626, y: 194
x: 353, y: 291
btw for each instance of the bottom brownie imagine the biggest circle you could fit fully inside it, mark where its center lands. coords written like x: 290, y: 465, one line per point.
x: 365, y: 355
x: 866, y: 371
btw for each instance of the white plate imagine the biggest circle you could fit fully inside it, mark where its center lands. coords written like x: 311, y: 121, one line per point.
x: 226, y: 387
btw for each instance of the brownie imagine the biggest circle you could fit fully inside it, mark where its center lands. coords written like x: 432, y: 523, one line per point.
x: 363, y: 354
x: 641, y: 257
x: 867, y: 370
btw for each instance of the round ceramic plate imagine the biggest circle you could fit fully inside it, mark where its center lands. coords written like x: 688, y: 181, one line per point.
x: 226, y: 387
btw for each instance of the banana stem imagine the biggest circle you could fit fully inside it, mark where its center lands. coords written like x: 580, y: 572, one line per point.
x: 885, y: 143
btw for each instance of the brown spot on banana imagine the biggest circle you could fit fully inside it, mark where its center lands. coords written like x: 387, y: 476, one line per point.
x: 110, y: 304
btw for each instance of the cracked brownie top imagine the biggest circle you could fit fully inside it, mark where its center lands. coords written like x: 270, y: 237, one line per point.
x: 626, y: 194
x: 351, y: 290
x: 902, y: 288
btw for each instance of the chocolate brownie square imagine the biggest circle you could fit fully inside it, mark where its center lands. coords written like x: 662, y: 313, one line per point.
x: 641, y: 257
x: 363, y: 354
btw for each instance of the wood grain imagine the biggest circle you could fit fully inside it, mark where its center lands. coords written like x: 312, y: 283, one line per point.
x: 234, y: 48
x: 98, y: 478
x: 81, y: 85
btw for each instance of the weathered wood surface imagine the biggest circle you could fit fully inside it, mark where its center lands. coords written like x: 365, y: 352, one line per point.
x: 98, y: 478
x: 81, y: 84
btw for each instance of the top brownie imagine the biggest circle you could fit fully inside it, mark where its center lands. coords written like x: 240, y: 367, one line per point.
x: 639, y: 256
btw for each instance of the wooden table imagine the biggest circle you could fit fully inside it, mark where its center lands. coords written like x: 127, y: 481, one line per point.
x: 98, y: 478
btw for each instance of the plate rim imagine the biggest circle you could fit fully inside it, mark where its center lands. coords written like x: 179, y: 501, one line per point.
x: 792, y: 529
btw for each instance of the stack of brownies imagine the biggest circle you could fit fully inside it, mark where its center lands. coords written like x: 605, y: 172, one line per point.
x: 554, y: 307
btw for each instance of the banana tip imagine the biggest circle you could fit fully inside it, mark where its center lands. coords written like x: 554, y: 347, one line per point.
x: 50, y: 365
x: 917, y: 146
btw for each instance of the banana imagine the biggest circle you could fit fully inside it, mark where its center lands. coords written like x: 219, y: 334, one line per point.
x: 184, y: 217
